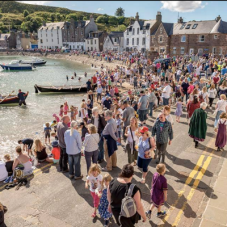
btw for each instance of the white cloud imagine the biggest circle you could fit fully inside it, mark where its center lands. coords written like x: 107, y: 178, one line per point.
x: 34, y: 2
x: 183, y: 6
x: 100, y: 9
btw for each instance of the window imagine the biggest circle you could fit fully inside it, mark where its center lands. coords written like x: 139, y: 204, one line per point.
x: 75, y: 33
x: 91, y: 41
x: 137, y: 41
x: 41, y: 41
x: 52, y: 40
x: 115, y: 40
x: 87, y: 42
x: 127, y: 31
x: 41, y: 34
x: 91, y: 48
x: 215, y: 37
x: 81, y: 32
x: 160, y: 39
x: 143, y: 41
x: 174, y: 50
x: 132, y: 41
x: 194, y: 26
x: 183, y: 38
x: 220, y: 51
x: 182, y: 26
x: 144, y: 31
x: 201, y: 38
x: 137, y: 30
x: 95, y: 42
x: 127, y: 41
x: 182, y: 50
x: 133, y: 32
x: 162, y: 50
x: 188, y: 26
x: 161, y: 30
x: 46, y: 34
x: 213, y: 50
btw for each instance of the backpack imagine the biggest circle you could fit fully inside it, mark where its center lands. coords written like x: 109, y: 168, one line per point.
x: 128, y: 206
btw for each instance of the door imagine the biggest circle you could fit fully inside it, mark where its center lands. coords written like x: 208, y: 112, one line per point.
x: 200, y: 51
x: 191, y: 51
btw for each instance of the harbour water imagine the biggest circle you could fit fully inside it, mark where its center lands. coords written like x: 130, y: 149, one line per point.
x: 21, y: 122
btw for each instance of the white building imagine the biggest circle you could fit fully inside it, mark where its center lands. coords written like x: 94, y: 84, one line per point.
x: 50, y: 35
x: 114, y: 42
x: 137, y: 34
x: 95, y: 41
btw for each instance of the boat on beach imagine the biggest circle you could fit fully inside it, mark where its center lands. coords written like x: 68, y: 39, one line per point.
x: 16, y: 65
x: 34, y: 61
x: 60, y: 89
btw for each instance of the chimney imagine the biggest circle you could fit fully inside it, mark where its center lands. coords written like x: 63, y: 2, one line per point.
x: 91, y: 18
x: 180, y: 20
x: 159, y: 17
x: 218, y: 18
x: 137, y: 16
x: 44, y: 23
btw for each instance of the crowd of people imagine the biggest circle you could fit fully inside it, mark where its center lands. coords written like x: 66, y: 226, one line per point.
x: 109, y: 119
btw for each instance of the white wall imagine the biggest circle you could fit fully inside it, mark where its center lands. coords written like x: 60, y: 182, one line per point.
x: 51, y: 38
x: 75, y: 45
x: 88, y: 44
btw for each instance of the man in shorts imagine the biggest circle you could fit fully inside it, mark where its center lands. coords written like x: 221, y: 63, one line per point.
x: 27, y: 144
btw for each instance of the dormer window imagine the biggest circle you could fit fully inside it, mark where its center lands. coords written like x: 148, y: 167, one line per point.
x: 182, y: 26
x: 194, y: 26
x: 188, y: 26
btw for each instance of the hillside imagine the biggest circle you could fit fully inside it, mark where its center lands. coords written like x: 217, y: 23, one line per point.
x: 27, y: 17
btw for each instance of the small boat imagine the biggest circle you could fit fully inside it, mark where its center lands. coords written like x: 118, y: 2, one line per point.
x: 60, y: 89
x: 12, y: 99
x: 16, y: 65
x: 34, y: 61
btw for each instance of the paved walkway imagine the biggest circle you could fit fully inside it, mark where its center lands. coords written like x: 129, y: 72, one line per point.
x: 215, y: 214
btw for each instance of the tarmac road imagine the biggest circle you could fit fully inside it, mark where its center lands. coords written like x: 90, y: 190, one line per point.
x: 52, y: 199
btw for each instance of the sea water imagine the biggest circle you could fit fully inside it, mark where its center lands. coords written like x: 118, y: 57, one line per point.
x: 27, y: 121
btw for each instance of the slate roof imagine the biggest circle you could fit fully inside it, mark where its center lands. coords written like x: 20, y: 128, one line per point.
x: 220, y: 27
x: 144, y: 24
x: 49, y: 26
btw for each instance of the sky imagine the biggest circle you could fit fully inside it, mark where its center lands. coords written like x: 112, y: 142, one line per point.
x: 189, y: 10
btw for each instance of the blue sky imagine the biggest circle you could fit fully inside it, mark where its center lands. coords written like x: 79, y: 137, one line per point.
x: 189, y: 10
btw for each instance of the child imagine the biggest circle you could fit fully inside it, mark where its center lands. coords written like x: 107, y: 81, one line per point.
x: 221, y: 138
x: 9, y: 164
x: 55, y: 152
x: 47, y: 131
x: 103, y: 206
x: 94, y: 179
x: 118, y: 123
x: 158, y: 191
x: 179, y: 106
x: 61, y: 111
x: 65, y: 108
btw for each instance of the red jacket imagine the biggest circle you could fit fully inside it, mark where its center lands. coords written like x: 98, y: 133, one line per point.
x: 191, y: 107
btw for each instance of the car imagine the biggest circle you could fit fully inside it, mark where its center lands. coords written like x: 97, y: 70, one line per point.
x: 162, y: 60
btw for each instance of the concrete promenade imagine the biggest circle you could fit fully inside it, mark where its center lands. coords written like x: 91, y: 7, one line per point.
x: 196, y: 188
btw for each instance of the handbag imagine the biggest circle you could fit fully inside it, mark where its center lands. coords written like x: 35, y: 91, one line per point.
x: 151, y: 154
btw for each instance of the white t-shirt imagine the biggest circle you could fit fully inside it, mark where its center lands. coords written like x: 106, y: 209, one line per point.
x: 166, y: 92
x: 212, y: 93
x: 95, y: 182
x: 3, y: 171
x: 222, y: 105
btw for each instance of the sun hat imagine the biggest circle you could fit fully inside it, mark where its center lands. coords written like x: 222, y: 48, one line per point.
x: 144, y: 129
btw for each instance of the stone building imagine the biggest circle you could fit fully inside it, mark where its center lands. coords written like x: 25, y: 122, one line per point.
x: 114, y: 42
x: 7, y: 40
x: 95, y: 41
x: 194, y: 37
x: 75, y: 33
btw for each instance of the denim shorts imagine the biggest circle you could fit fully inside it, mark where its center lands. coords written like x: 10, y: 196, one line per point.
x: 143, y: 163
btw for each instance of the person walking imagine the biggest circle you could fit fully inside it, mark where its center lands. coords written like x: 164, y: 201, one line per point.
x: 221, y: 138
x: 152, y: 100
x: 164, y: 136
x: 198, y: 124
x: 91, y: 146
x: 142, y: 107
x: 61, y: 128
x: 220, y: 107
x: 99, y: 122
x: 166, y: 93
x: 110, y: 139
x: 73, y: 144
x: 22, y: 96
x: 211, y: 94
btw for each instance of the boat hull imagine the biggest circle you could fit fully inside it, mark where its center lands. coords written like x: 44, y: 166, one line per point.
x: 5, y: 67
x: 35, y: 64
x: 50, y: 89
x: 11, y: 100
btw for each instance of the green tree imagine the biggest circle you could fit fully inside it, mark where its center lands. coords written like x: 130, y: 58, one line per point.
x: 58, y: 17
x: 121, y: 20
x: 71, y: 15
x: 119, y: 12
x: 85, y: 18
x: 53, y: 17
x: 101, y: 19
x: 26, y: 13
x: 113, y: 20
